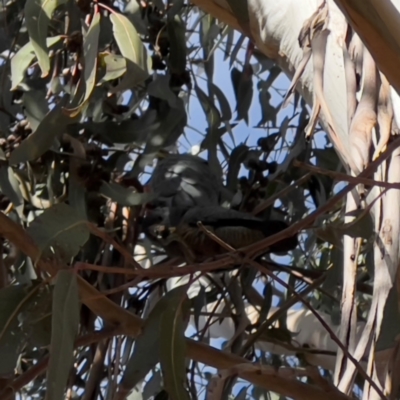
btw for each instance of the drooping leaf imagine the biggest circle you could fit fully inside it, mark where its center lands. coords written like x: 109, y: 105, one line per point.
x: 236, y: 50
x: 36, y: 107
x: 268, y: 112
x: 229, y: 42
x: 9, y: 186
x: 243, y: 88
x: 171, y: 124
x: 132, y: 49
x: 42, y: 139
x: 36, y: 318
x: 208, y: 33
x: 23, y: 59
x: 90, y: 46
x: 124, y: 196
x: 38, y: 14
x: 238, y: 155
x: 59, y: 228
x: 226, y: 113
x: 173, y: 345
x: 65, y: 323
x: 11, y: 339
x: 160, y: 88
x: 211, y: 112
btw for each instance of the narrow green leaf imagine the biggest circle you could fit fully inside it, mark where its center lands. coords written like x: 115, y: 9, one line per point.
x: 226, y: 113
x: 23, y: 59
x: 145, y: 354
x: 173, y: 345
x: 160, y: 88
x: 236, y: 50
x: 90, y: 48
x: 9, y: 186
x: 11, y: 339
x: 36, y: 107
x: 38, y: 14
x: 65, y: 323
x: 124, y: 196
x: 211, y: 112
x: 132, y: 49
x: 42, y: 139
x: 229, y: 42
x: 238, y: 155
x: 59, y: 228
x: 243, y: 88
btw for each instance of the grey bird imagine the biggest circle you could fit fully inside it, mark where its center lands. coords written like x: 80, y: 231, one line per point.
x: 178, y: 231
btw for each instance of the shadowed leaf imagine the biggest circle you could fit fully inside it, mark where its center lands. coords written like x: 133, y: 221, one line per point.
x: 60, y: 228
x: 38, y: 14
x: 11, y: 338
x: 36, y: 107
x: 23, y: 59
x: 90, y: 46
x: 65, y: 322
x: 173, y: 346
x: 42, y: 139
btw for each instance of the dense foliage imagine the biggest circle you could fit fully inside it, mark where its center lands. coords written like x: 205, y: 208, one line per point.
x: 92, y: 95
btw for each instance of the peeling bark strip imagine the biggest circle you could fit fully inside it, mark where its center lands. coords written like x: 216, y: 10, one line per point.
x: 364, y: 119
x: 350, y: 71
x: 385, y: 116
x: 313, y: 40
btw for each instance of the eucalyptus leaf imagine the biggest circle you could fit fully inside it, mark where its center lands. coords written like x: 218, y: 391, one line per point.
x: 243, y: 88
x: 146, y: 353
x: 65, y: 323
x: 59, y: 228
x: 90, y: 46
x: 226, y: 113
x: 11, y: 340
x: 132, y: 49
x: 173, y: 345
x: 9, y: 186
x: 38, y: 14
x: 23, y: 59
x: 36, y: 107
x: 160, y: 88
x: 42, y: 139
x: 238, y: 155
